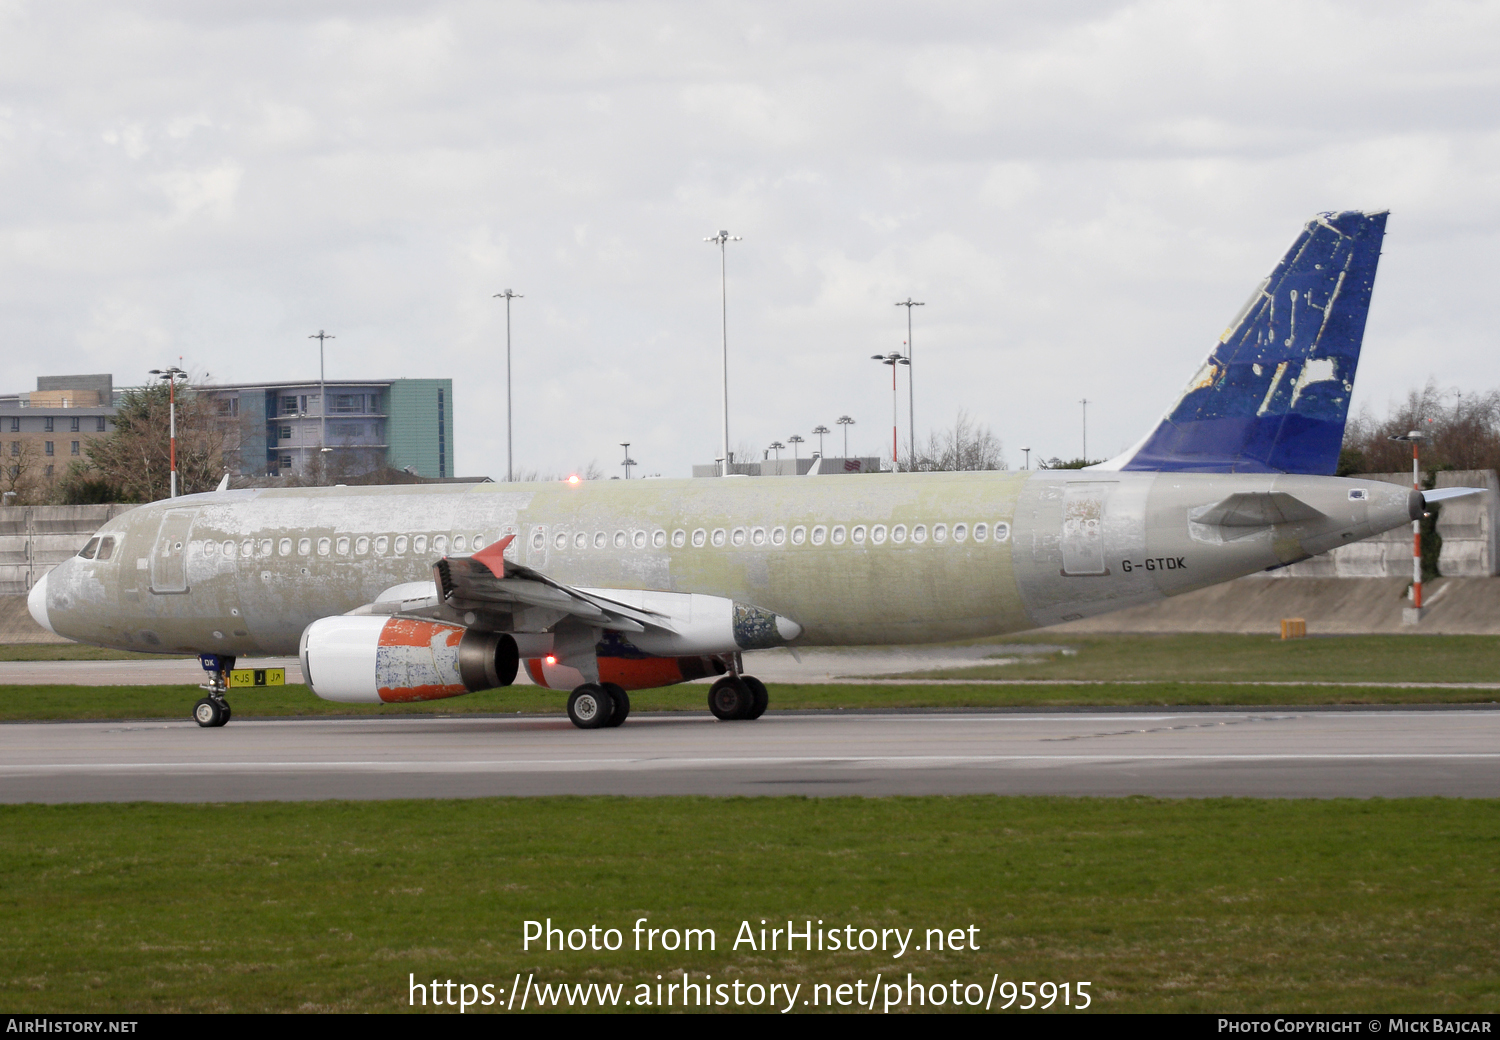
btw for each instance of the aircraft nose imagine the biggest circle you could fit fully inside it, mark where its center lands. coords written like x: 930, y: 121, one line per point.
x: 36, y: 604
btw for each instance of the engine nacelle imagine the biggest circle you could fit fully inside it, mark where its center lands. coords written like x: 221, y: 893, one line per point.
x: 364, y: 659
x: 632, y: 673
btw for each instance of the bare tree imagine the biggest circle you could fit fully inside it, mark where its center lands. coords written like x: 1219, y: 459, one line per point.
x: 21, y: 473
x: 964, y: 446
x: 135, y: 460
x: 1460, y: 430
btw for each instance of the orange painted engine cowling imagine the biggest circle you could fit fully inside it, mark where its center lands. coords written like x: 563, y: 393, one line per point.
x: 372, y: 659
x: 632, y: 673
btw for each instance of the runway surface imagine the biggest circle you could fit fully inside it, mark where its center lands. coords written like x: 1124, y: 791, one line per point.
x: 1168, y: 753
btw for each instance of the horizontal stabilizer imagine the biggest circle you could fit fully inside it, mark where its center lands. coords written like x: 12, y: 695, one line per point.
x: 1257, y: 509
x: 1439, y: 494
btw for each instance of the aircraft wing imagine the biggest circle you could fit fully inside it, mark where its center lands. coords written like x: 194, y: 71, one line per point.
x: 486, y: 582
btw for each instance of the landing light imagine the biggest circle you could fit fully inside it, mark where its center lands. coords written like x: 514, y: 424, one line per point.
x: 574, y: 479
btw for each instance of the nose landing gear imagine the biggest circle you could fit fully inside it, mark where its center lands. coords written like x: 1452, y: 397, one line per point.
x: 213, y: 711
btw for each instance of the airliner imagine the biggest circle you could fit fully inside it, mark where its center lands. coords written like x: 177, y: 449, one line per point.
x: 412, y: 593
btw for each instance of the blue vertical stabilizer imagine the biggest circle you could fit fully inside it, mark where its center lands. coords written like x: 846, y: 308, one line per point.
x: 1274, y: 394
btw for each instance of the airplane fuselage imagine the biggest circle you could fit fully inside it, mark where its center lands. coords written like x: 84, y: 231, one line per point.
x: 853, y: 560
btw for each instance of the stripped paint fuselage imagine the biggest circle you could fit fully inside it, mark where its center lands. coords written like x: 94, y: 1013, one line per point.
x: 893, y: 558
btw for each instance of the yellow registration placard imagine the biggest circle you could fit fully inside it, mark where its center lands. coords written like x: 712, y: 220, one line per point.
x: 241, y: 677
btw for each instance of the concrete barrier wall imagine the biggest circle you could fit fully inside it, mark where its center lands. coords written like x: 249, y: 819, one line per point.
x: 34, y: 539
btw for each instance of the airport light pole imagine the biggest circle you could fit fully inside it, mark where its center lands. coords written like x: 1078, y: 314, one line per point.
x: 846, y: 422
x: 776, y: 446
x: 722, y: 239
x: 794, y: 440
x: 510, y: 430
x: 893, y: 359
x: 819, y: 431
x: 1027, y: 464
x: 628, y: 460
x: 911, y: 393
x: 171, y: 375
x: 1415, y: 438
x: 1085, y: 403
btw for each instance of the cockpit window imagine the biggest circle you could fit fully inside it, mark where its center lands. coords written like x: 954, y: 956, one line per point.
x: 87, y: 552
x: 106, y: 549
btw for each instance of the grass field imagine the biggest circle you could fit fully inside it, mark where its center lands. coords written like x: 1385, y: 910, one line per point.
x: 1403, y: 658
x: 20, y: 703
x: 1186, y: 906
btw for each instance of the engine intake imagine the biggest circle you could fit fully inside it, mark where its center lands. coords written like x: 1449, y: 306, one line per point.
x: 363, y: 659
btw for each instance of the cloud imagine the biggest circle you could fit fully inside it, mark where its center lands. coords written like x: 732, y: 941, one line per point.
x: 1082, y: 195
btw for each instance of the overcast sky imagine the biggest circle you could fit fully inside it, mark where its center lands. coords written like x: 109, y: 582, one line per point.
x: 1082, y: 195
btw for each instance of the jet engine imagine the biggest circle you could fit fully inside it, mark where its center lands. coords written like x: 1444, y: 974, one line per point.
x: 367, y: 659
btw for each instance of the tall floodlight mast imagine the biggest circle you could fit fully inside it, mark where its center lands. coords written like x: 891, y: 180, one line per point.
x: 510, y: 430
x: 819, y: 431
x: 320, y: 336
x: 911, y: 393
x: 171, y: 375
x: 1085, y: 403
x: 722, y: 239
x: 846, y: 422
x: 893, y: 359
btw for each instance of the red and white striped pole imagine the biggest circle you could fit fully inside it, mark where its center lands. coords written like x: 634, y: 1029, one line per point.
x: 1415, y: 437
x: 1416, y: 526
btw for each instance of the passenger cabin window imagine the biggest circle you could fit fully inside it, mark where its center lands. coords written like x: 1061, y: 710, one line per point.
x: 960, y: 532
x: 460, y: 543
x: 341, y: 546
x: 981, y: 532
x: 857, y: 536
x: 799, y: 535
x: 758, y: 536
x: 919, y: 534
x: 440, y: 544
x: 877, y: 534
x: 1002, y: 531
x: 361, y: 546
x: 304, y: 546
x: 638, y: 539
x: 940, y: 533
x: 699, y: 537
x: 819, y: 535
x: 600, y: 539
x: 619, y: 539
x: 324, y: 544
x: 228, y: 549
x: 679, y: 538
x: 659, y: 539
x: 838, y: 534
x: 778, y: 536
x: 285, y: 547
x: 538, y: 538
x: 718, y: 537
x: 419, y: 544
x: 580, y: 541
x: 381, y: 545
x: 401, y: 544
x: 738, y: 537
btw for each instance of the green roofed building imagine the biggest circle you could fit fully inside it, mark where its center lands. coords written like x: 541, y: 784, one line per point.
x: 284, y: 428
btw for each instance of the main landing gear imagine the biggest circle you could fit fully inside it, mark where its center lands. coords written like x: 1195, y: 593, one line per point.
x: 738, y: 697
x: 598, y: 706
x: 213, y: 711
